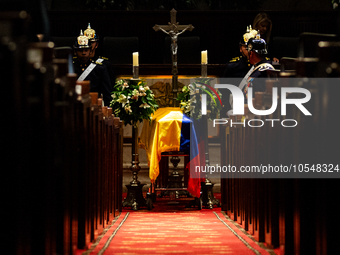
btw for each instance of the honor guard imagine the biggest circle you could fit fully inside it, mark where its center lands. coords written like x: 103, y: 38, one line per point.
x: 94, y: 38
x: 257, y: 51
x: 238, y: 66
x: 88, y: 69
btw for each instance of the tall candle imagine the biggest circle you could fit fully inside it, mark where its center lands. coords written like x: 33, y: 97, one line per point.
x: 135, y: 59
x: 204, y: 57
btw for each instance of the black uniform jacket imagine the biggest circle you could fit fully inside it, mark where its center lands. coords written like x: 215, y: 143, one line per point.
x: 109, y: 68
x: 99, y: 78
x: 237, y: 67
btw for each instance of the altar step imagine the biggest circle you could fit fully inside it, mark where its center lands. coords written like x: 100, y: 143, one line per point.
x: 143, y: 175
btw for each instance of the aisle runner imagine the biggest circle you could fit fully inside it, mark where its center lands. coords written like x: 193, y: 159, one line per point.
x: 193, y: 232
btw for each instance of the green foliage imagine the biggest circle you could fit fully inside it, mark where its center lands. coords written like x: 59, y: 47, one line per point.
x: 132, y: 101
x: 191, y: 96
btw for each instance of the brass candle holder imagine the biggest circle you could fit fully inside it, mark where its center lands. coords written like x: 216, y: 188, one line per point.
x: 204, y: 70
x: 135, y: 72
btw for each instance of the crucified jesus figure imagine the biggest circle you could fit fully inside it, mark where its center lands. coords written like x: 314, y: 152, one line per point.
x: 174, y: 30
x: 174, y: 37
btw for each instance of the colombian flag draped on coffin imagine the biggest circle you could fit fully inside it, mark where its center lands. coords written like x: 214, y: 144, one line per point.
x: 171, y: 130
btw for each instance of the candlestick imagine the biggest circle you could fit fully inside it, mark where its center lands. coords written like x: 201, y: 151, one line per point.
x: 204, y: 57
x: 204, y: 62
x: 204, y: 70
x: 135, y: 72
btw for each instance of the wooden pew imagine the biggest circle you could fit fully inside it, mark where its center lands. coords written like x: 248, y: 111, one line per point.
x: 118, y: 164
x: 66, y: 185
x: 295, y: 215
x: 44, y: 151
x: 83, y: 108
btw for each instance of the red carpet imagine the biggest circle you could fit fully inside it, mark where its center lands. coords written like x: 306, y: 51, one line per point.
x: 186, y: 231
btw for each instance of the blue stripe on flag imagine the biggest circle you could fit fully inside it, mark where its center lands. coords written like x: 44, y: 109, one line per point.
x: 185, y: 134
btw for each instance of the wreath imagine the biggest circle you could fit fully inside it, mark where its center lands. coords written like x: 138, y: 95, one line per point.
x: 191, y: 99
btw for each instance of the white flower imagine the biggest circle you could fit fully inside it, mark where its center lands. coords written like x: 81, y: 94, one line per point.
x: 192, y: 100
x: 123, y: 99
x: 128, y: 108
x: 135, y: 94
x: 141, y: 89
x: 113, y: 96
x: 120, y: 82
x: 142, y: 94
x: 146, y: 88
x: 192, y: 108
x: 125, y: 85
x: 145, y: 105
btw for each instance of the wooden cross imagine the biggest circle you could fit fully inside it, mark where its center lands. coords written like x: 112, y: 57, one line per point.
x: 174, y: 30
x: 173, y: 25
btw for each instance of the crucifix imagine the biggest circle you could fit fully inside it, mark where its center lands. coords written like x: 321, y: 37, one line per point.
x: 174, y: 30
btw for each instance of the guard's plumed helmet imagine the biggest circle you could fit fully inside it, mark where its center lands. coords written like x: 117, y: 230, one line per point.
x: 82, y: 42
x: 254, y: 42
x: 258, y: 45
x: 91, y: 34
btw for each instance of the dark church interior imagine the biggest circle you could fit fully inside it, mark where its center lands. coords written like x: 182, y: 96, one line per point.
x: 64, y: 150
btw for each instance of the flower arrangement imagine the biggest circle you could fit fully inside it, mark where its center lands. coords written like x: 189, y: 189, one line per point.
x: 132, y: 101
x: 190, y: 99
x: 184, y: 99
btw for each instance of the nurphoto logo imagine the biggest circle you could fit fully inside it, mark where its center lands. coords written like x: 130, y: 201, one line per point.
x: 238, y: 105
